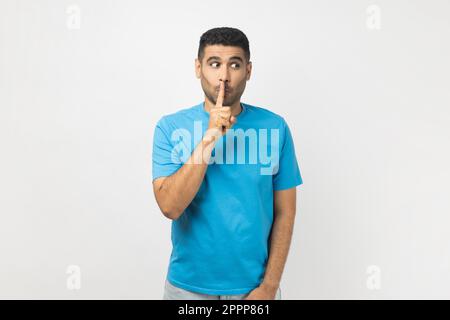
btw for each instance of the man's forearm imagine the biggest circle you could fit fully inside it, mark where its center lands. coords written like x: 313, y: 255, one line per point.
x: 179, y: 189
x: 280, y: 241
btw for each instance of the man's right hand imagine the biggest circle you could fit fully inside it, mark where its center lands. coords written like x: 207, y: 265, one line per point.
x: 220, y: 118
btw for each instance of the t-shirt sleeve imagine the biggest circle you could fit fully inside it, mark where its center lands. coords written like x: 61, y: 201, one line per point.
x: 288, y: 175
x: 163, y: 162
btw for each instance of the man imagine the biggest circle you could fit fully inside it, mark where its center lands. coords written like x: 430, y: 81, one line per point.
x: 232, y: 205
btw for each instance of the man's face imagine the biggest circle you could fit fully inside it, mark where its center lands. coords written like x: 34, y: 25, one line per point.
x: 226, y: 63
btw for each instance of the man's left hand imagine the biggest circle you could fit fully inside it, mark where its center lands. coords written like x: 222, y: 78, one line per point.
x: 262, y: 293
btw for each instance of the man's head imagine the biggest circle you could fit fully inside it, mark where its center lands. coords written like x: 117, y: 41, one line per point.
x: 223, y: 55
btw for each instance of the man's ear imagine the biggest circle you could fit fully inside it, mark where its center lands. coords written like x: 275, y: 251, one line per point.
x: 198, y: 68
x: 249, y: 70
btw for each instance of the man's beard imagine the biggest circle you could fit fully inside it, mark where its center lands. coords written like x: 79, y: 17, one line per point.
x: 213, y: 99
x: 227, y: 100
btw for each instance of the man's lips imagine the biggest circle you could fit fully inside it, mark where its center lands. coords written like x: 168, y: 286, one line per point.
x: 227, y: 90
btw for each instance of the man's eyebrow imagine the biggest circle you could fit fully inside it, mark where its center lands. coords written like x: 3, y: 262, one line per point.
x: 237, y: 58
x: 213, y: 58
x: 218, y: 58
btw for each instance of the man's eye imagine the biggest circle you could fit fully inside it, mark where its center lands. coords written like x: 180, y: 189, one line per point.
x: 214, y: 64
x: 235, y: 65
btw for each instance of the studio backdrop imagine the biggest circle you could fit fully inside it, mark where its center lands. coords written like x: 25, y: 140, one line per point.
x: 363, y: 85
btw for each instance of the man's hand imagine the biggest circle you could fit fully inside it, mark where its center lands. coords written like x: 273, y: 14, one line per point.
x: 220, y: 118
x: 262, y: 293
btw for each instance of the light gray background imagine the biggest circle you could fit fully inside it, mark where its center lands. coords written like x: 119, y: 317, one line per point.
x: 368, y: 109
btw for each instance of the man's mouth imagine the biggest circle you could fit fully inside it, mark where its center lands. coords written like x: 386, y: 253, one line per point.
x: 227, y: 90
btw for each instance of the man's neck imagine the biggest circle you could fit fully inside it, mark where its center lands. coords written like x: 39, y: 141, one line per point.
x: 235, y: 107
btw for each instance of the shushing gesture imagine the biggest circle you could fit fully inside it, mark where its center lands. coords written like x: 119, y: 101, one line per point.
x: 220, y: 118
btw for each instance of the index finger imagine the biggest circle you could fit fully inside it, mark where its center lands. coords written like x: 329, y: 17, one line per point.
x: 221, y: 95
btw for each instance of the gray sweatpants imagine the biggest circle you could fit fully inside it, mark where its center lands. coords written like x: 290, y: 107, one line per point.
x: 172, y: 292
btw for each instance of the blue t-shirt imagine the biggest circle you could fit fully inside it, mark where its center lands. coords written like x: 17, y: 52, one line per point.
x: 221, y: 241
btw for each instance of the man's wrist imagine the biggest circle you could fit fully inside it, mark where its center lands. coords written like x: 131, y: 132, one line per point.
x: 211, y: 136
x: 208, y: 140
x: 270, y: 285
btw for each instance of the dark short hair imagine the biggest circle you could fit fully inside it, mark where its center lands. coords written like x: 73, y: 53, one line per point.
x: 224, y: 36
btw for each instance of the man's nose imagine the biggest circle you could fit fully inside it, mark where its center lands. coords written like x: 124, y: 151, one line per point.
x: 227, y: 82
x: 224, y: 76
